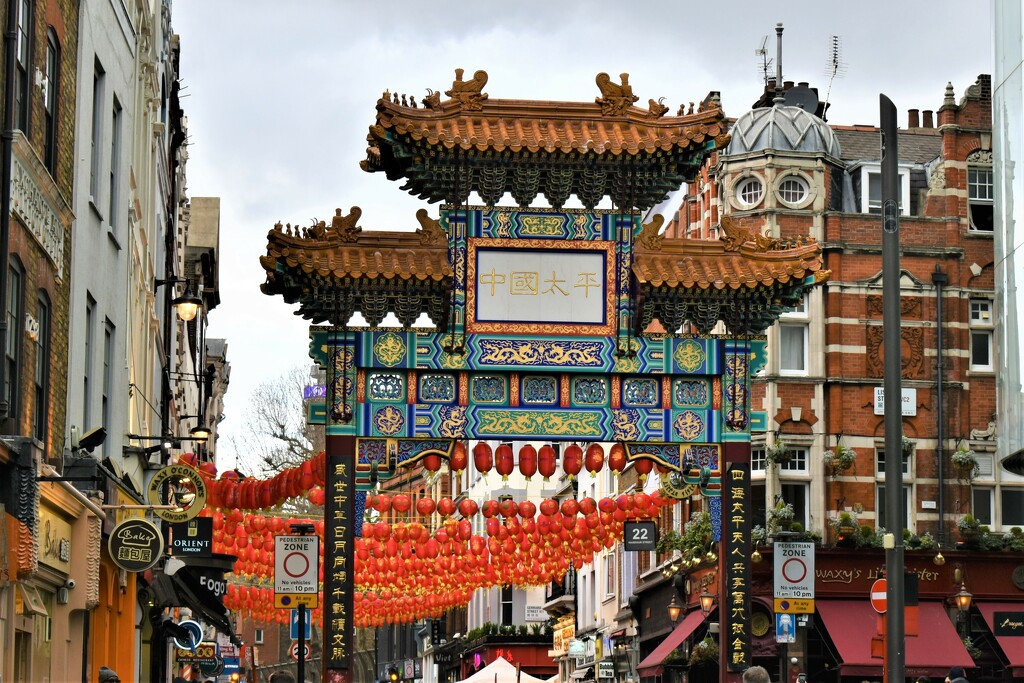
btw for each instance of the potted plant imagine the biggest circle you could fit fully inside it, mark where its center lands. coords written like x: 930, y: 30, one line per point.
x: 778, y: 452
x: 907, y: 445
x: 840, y: 459
x: 780, y: 517
x: 965, y: 462
x: 845, y: 526
x: 969, y: 529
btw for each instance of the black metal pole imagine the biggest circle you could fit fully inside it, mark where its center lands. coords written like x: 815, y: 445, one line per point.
x: 894, y: 520
x: 302, y: 643
x: 6, y: 172
x: 939, y: 279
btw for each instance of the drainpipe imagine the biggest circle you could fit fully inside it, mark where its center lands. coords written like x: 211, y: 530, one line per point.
x: 939, y: 279
x: 7, y: 152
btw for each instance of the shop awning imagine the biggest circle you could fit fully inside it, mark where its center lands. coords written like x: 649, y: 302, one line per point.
x: 651, y: 666
x: 852, y: 624
x: 1012, y: 646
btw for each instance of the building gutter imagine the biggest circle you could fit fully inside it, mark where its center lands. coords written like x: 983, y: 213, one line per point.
x: 6, y: 153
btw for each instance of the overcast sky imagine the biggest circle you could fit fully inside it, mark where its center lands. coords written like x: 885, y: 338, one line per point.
x: 279, y: 96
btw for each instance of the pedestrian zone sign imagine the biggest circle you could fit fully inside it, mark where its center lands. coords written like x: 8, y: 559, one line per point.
x: 296, y: 571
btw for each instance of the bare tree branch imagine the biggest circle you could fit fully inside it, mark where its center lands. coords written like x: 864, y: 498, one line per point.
x: 276, y: 435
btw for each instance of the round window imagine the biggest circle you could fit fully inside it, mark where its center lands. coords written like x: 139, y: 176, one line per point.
x: 793, y: 190
x: 749, y: 191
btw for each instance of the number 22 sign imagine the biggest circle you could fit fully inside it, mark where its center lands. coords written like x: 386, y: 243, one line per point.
x: 641, y: 535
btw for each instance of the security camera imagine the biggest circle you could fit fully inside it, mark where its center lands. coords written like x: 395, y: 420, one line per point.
x: 70, y: 583
x: 92, y: 438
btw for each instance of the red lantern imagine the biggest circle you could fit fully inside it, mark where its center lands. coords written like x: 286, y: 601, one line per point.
x: 482, y: 458
x: 504, y: 461
x: 468, y: 507
x: 617, y: 458
x: 459, y: 459
x: 431, y: 462
x: 446, y: 506
x: 548, y: 506
x: 528, y: 461
x: 401, y: 503
x: 570, y: 507
x: 426, y: 506
x: 527, y: 509
x: 594, y: 458
x: 546, y: 461
x: 643, y: 467
x: 572, y: 460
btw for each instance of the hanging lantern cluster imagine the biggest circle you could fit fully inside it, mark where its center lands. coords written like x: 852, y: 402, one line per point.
x: 230, y: 490
x: 405, y: 571
x: 545, y: 460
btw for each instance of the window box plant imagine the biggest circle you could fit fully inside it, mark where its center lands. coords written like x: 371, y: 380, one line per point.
x: 969, y: 529
x: 840, y: 459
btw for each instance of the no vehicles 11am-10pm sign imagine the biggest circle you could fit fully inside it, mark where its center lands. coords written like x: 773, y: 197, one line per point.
x: 296, y: 571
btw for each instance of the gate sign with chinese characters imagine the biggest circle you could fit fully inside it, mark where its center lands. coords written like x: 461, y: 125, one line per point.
x: 794, y: 570
x: 555, y: 285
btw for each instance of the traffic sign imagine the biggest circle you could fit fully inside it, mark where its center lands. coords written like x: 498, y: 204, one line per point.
x: 296, y: 571
x: 794, y: 570
x: 878, y: 595
x: 294, y: 651
x: 295, y: 625
x: 794, y: 606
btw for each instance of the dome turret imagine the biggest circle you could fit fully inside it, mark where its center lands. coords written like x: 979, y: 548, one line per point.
x: 783, y: 129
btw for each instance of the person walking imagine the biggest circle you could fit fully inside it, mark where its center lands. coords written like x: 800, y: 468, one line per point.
x: 957, y: 675
x: 108, y: 675
x: 756, y: 674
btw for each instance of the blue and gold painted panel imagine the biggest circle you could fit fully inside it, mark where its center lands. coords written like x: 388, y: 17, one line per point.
x: 567, y: 224
x: 436, y: 387
x: 385, y: 386
x: 691, y: 393
x: 641, y: 392
x: 590, y: 391
x: 489, y: 389
x: 538, y: 390
x: 385, y: 419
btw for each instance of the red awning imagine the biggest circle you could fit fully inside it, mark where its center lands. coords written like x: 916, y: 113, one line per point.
x: 853, y: 623
x: 651, y: 666
x: 1012, y: 646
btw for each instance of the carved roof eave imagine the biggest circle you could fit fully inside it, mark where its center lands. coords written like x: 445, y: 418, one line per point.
x: 371, y: 256
x: 703, y: 265
x: 544, y: 126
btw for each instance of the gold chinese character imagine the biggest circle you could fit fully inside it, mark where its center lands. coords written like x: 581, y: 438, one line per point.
x: 338, y: 652
x: 554, y: 281
x: 523, y: 284
x: 587, y: 281
x: 738, y: 629
x: 340, y: 469
x: 738, y: 658
x: 738, y: 474
x: 493, y: 278
x: 739, y: 582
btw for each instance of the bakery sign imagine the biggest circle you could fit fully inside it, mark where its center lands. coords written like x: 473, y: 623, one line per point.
x: 54, y: 541
x: 135, y: 544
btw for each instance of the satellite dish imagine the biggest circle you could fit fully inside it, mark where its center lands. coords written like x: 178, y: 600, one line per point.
x: 803, y: 97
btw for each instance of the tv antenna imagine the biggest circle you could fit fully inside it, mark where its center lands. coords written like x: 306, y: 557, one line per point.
x: 765, y: 66
x: 834, y: 68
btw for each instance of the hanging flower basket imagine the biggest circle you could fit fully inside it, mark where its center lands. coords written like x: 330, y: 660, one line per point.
x: 780, y: 517
x: 965, y: 462
x: 840, y: 459
x: 778, y: 453
x: 705, y: 653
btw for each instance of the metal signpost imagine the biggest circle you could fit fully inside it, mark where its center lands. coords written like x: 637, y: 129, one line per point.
x: 296, y: 572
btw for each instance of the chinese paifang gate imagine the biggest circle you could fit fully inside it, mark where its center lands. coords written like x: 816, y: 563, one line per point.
x: 547, y: 324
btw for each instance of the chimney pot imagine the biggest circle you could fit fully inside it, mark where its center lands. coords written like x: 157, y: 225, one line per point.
x: 913, y: 119
x: 928, y: 119
x: 787, y: 84
x: 804, y: 84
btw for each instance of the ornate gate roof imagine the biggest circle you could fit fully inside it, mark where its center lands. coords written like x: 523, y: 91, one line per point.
x: 469, y: 142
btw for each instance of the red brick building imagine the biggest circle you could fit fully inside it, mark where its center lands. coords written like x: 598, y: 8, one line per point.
x: 790, y: 175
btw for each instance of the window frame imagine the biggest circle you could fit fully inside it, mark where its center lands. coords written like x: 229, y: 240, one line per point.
x: 805, y: 186
x: 96, y: 141
x: 980, y: 329
x: 743, y: 183
x: 867, y: 171
x: 979, y: 201
x: 41, y: 379
x: 1005, y: 523
x: 116, y: 123
x: 51, y: 101
x: 907, y: 462
x: 880, y: 502
x: 804, y: 328
x: 13, y: 353
x: 24, y: 48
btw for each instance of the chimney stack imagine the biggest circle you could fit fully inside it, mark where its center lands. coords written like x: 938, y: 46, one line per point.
x: 928, y: 119
x: 913, y: 121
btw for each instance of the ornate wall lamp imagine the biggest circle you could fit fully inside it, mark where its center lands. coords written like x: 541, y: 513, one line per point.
x: 707, y: 603
x: 188, y: 304
x: 962, y: 599
x: 674, y: 609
